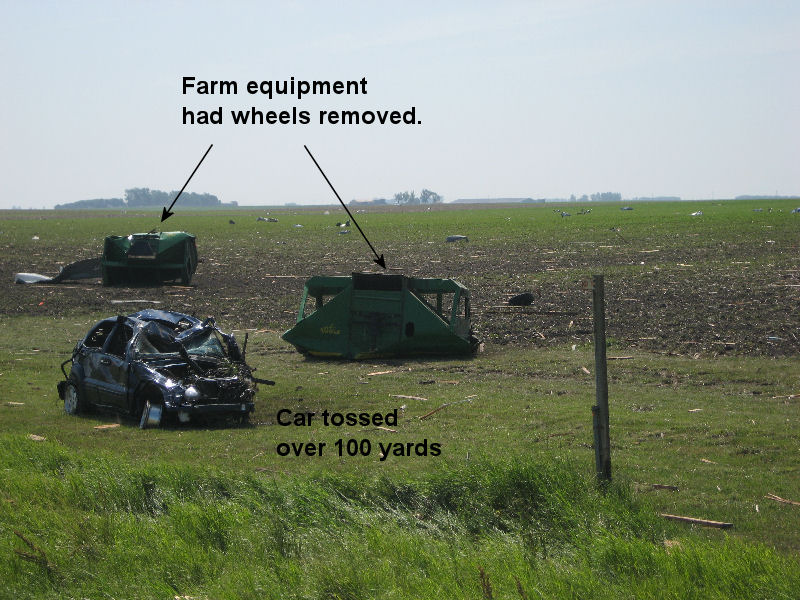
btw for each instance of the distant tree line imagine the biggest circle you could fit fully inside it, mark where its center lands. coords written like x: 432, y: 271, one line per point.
x: 145, y: 197
x: 607, y: 197
x: 405, y: 198
x: 425, y: 197
x: 94, y: 203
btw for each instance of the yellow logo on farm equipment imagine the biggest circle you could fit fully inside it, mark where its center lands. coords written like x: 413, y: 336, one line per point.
x: 329, y: 330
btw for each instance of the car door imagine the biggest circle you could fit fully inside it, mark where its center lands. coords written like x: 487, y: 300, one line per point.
x: 89, y: 355
x: 111, y: 375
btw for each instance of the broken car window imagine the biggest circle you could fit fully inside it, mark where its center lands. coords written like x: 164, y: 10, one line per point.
x: 97, y: 338
x: 156, y: 338
x: 119, y: 340
x: 205, y: 343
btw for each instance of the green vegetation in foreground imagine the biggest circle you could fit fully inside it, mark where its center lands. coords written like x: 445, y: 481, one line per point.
x: 103, y: 527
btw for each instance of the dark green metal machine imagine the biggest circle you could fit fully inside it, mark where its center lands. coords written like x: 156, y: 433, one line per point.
x: 149, y: 258
x: 377, y: 315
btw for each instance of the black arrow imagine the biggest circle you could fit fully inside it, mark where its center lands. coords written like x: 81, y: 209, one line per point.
x: 165, y: 214
x: 379, y: 259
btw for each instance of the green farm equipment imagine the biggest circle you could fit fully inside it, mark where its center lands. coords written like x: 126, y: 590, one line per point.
x: 149, y: 258
x: 377, y: 315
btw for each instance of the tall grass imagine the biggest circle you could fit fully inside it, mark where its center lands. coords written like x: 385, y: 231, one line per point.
x: 104, y: 527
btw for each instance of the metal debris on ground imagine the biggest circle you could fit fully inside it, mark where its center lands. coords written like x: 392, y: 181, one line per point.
x: 456, y: 238
x: 524, y: 299
x: 82, y: 269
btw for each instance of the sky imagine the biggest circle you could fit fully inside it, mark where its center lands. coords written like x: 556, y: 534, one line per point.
x: 697, y: 99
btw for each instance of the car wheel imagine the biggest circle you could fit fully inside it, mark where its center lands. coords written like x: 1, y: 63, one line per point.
x: 151, y: 415
x: 73, y: 403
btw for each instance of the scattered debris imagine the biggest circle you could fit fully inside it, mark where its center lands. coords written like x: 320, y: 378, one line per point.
x: 783, y: 500
x: 695, y: 409
x: 698, y: 213
x: 456, y: 238
x: 661, y: 486
x: 626, y: 208
x: 343, y: 232
x: 708, y: 462
x: 15, y: 403
x: 435, y: 410
x: 298, y: 225
x: 408, y: 397
x: 524, y: 299
x: 669, y: 544
x: 107, y: 426
x: 36, y: 438
x: 379, y: 373
x: 82, y: 269
x: 232, y: 222
x: 382, y: 428
x: 267, y: 219
x: 695, y: 521
x: 585, y: 370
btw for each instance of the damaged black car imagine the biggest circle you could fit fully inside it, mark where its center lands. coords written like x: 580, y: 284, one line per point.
x: 157, y: 364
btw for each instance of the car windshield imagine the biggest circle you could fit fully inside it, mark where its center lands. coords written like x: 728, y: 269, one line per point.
x: 205, y: 343
x: 158, y: 339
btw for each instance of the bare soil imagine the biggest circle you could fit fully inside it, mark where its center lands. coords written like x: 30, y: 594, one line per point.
x: 735, y: 296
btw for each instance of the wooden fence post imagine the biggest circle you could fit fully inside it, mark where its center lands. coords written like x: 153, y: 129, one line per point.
x: 602, y: 438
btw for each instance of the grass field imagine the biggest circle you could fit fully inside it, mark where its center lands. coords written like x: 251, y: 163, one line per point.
x: 703, y: 309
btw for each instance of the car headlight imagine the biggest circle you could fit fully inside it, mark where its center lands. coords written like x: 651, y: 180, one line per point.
x: 191, y: 394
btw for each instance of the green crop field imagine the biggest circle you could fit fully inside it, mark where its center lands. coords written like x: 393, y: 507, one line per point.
x: 704, y: 387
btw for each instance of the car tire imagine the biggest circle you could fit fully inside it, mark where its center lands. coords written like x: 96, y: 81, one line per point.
x: 151, y: 415
x: 73, y: 402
